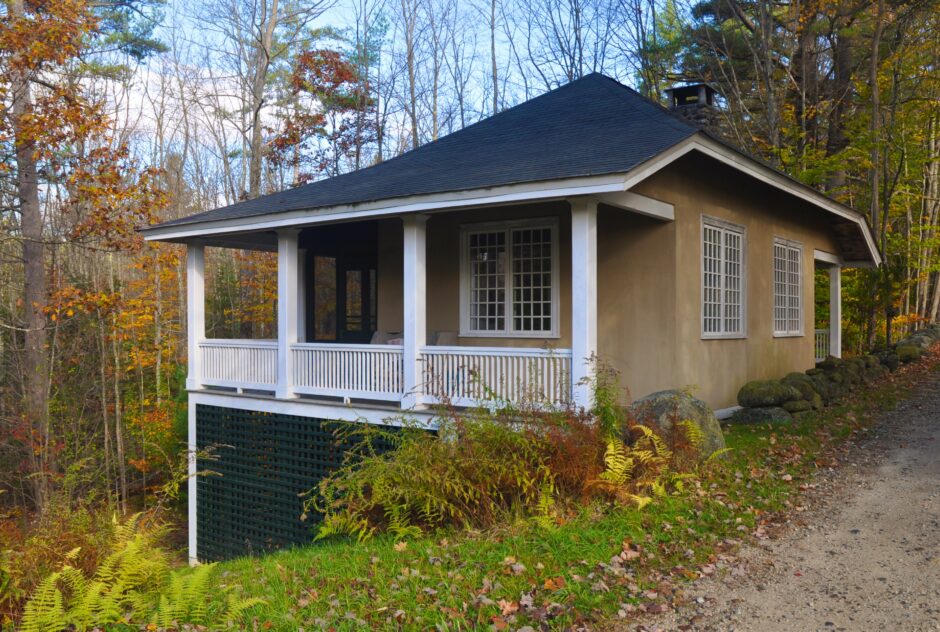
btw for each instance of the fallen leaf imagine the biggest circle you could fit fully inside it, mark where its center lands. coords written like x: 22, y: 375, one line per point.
x: 507, y: 607
x: 401, y: 546
x: 554, y: 583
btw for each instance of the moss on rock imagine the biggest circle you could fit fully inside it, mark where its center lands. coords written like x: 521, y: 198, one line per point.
x: 758, y: 393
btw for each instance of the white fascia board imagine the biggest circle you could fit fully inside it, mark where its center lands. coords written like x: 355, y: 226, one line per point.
x: 769, y: 176
x: 510, y: 194
x: 721, y: 153
x: 315, y: 409
x: 637, y: 203
x: 827, y: 257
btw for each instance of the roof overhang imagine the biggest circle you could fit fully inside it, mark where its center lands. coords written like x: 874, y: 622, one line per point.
x: 612, y: 189
x: 722, y: 153
x: 439, y: 202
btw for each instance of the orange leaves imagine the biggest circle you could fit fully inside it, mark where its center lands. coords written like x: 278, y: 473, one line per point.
x: 46, y: 33
x: 110, y: 199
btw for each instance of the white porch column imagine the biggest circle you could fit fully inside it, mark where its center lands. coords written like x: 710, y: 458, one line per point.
x: 835, y: 311
x: 583, y: 298
x: 414, y: 333
x: 301, y: 295
x: 286, y: 308
x: 195, y: 311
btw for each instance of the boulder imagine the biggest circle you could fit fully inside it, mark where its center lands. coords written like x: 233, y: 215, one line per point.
x: 831, y: 363
x: 767, y: 414
x: 908, y: 353
x: 920, y: 341
x: 889, y: 359
x: 825, y: 388
x: 762, y: 393
x: 803, y: 383
x: 797, y: 406
x: 664, y: 408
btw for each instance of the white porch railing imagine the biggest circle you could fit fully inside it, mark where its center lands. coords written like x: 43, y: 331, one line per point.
x: 344, y: 370
x: 465, y: 376
x: 242, y: 364
x: 822, y: 344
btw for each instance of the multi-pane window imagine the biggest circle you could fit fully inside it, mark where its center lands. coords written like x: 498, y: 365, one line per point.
x: 510, y: 280
x: 487, y: 253
x: 788, y: 288
x: 722, y: 279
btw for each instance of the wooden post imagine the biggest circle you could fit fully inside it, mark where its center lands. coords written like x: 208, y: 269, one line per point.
x: 196, y: 311
x: 415, y: 308
x: 583, y: 298
x: 191, y: 486
x: 287, y: 259
x: 301, y: 295
x: 835, y: 311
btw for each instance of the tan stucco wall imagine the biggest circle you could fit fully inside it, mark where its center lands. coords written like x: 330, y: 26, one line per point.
x: 650, y: 292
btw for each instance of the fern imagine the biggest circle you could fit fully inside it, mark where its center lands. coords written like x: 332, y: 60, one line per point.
x: 45, y: 610
x: 693, y: 433
x: 618, y: 463
x: 545, y: 507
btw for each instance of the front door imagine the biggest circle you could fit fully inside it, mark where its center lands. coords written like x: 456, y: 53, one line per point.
x: 341, y: 289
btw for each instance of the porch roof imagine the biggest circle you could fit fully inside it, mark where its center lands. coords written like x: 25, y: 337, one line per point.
x: 591, y: 136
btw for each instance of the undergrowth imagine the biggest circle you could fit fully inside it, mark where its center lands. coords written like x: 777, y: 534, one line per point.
x: 488, y: 465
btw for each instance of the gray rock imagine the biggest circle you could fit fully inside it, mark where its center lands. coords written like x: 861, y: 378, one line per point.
x: 665, y: 408
x: 803, y: 383
x: 769, y: 414
x: 797, y: 405
x: 761, y: 393
x: 889, y: 359
x: 908, y: 353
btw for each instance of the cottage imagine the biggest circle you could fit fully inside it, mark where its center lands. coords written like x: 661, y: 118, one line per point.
x: 586, y: 222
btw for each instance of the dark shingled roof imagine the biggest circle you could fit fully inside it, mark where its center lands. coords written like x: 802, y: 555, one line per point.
x: 592, y: 126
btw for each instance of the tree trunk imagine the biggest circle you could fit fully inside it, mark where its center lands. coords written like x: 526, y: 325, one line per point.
x: 493, y: 69
x: 35, y: 362
x: 259, y: 80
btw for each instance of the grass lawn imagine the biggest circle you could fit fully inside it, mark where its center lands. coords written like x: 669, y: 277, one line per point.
x: 601, y: 564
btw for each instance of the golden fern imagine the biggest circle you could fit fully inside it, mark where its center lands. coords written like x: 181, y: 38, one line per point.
x: 693, y: 433
x: 618, y: 462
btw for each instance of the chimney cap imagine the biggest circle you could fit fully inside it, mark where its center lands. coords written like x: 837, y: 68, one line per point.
x: 699, y: 93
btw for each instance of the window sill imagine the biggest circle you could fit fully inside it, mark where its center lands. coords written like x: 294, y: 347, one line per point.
x: 796, y: 335
x: 725, y: 337
x: 492, y: 334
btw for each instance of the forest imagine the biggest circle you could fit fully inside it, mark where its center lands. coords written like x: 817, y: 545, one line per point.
x: 118, y: 114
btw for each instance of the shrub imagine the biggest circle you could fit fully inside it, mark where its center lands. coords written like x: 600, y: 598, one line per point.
x: 134, y: 582
x: 482, y: 465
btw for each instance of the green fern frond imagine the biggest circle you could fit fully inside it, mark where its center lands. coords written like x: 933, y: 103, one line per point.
x: 45, y: 610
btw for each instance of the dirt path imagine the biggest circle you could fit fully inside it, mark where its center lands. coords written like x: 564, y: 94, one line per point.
x: 864, y: 554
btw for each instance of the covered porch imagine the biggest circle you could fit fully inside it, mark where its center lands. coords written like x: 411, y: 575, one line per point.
x: 828, y: 339
x: 417, y: 310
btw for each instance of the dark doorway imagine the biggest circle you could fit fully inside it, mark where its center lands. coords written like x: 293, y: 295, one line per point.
x: 341, y: 282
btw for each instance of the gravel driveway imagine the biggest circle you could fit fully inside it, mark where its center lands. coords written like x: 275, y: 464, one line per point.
x: 864, y: 554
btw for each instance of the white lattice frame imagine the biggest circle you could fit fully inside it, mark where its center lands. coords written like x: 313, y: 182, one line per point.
x: 724, y: 226
x: 508, y: 332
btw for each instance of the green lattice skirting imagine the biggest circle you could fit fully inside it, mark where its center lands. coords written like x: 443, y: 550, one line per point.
x: 263, y: 462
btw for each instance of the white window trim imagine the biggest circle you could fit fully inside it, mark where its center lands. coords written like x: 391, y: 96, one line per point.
x: 798, y: 246
x: 482, y: 227
x: 707, y: 220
